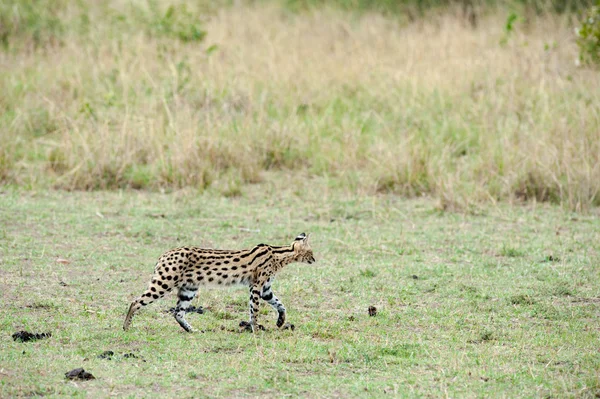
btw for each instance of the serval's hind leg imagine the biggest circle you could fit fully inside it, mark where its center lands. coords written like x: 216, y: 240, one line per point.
x: 184, y: 299
x: 156, y: 290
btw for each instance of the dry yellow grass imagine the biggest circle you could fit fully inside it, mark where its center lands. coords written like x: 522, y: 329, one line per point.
x: 430, y: 107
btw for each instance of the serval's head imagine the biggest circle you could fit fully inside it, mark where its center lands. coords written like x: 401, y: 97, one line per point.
x: 302, y: 250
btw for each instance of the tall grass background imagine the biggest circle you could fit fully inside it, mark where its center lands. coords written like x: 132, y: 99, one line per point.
x: 468, y: 105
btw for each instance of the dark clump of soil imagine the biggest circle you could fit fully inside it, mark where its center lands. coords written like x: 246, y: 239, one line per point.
x: 106, y: 355
x: 191, y: 309
x: 79, y: 374
x: 25, y: 336
x: 110, y: 355
x: 551, y: 258
x: 245, y: 326
x: 372, y: 311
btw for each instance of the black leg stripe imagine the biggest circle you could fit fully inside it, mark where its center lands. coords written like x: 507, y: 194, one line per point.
x: 268, y: 297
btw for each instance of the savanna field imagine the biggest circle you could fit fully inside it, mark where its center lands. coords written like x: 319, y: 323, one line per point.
x: 446, y: 161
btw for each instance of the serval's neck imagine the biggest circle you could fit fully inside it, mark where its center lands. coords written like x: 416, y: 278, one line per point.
x: 283, y: 255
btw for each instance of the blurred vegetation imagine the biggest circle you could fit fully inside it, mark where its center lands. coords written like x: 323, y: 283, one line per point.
x: 43, y: 22
x: 464, y: 105
x: 403, y: 6
x: 588, y: 37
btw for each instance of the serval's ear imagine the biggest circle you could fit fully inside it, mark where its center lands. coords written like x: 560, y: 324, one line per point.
x: 301, y: 237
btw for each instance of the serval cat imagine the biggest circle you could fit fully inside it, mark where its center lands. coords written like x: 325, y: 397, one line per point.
x: 186, y: 269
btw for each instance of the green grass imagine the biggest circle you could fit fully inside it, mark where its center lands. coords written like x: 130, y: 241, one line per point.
x: 502, y: 303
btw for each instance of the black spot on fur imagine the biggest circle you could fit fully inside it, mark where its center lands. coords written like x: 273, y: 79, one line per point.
x: 236, y: 260
x: 155, y: 296
x: 233, y: 267
x: 211, y: 279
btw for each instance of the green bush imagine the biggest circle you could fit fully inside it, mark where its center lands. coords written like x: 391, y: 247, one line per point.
x: 588, y: 37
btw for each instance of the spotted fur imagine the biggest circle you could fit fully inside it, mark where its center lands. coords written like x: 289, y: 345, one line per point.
x: 186, y: 269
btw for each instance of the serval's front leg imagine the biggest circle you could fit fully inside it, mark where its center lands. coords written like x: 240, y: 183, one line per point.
x: 268, y: 296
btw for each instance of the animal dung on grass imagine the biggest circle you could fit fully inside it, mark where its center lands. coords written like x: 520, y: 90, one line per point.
x: 106, y: 355
x: 110, y: 355
x: 79, y: 374
x: 372, y: 311
x: 25, y: 336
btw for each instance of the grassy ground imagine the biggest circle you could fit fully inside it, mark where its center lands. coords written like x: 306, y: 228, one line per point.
x: 162, y: 95
x: 503, y: 303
